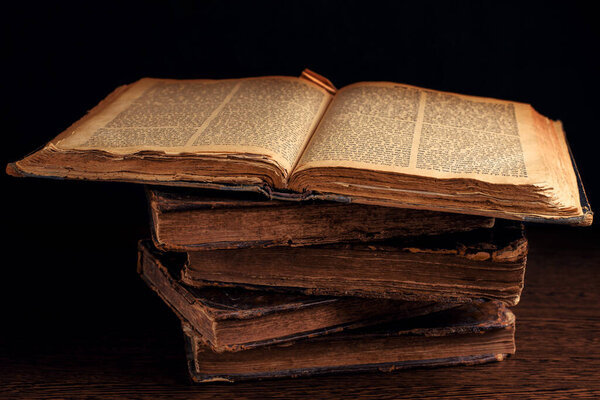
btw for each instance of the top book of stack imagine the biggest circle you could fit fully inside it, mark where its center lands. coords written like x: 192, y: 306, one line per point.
x: 290, y: 138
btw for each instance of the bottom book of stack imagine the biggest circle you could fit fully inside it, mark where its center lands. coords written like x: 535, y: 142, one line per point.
x: 235, y: 334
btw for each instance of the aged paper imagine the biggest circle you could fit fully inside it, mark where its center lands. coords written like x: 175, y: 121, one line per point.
x: 401, y: 128
x: 270, y: 116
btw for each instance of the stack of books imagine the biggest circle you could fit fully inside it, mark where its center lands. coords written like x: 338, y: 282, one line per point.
x: 298, y: 229
x: 272, y: 289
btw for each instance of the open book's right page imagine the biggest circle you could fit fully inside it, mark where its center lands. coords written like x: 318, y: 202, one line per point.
x: 415, y: 132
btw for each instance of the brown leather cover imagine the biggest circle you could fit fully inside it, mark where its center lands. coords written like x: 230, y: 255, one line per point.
x: 191, y: 220
x: 470, y: 334
x: 234, y: 319
x: 454, y: 267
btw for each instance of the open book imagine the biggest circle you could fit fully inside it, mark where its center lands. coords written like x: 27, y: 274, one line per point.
x: 295, y: 138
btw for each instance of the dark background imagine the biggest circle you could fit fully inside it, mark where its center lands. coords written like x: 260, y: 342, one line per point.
x: 68, y: 278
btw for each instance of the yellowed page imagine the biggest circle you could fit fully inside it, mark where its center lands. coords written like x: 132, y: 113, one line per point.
x: 271, y: 117
x: 400, y: 128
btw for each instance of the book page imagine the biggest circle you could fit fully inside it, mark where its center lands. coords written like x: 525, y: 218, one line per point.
x: 405, y: 129
x: 270, y: 116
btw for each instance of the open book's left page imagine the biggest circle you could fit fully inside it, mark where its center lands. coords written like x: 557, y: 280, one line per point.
x: 260, y: 126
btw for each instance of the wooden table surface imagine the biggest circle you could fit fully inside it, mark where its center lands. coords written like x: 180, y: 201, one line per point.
x: 103, y: 334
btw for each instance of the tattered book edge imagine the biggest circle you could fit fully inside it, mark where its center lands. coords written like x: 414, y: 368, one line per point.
x: 197, y: 377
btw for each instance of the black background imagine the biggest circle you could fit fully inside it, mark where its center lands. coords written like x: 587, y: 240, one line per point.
x: 68, y: 274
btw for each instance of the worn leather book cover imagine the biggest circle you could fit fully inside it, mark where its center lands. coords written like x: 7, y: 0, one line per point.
x: 188, y: 220
x: 234, y: 319
x: 470, y: 334
x: 486, y: 263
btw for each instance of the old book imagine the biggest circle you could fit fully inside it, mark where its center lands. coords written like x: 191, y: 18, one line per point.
x: 184, y: 220
x: 488, y: 263
x: 470, y: 334
x: 292, y: 138
x: 233, y: 319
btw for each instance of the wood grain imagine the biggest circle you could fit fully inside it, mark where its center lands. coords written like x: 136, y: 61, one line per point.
x: 558, y: 350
